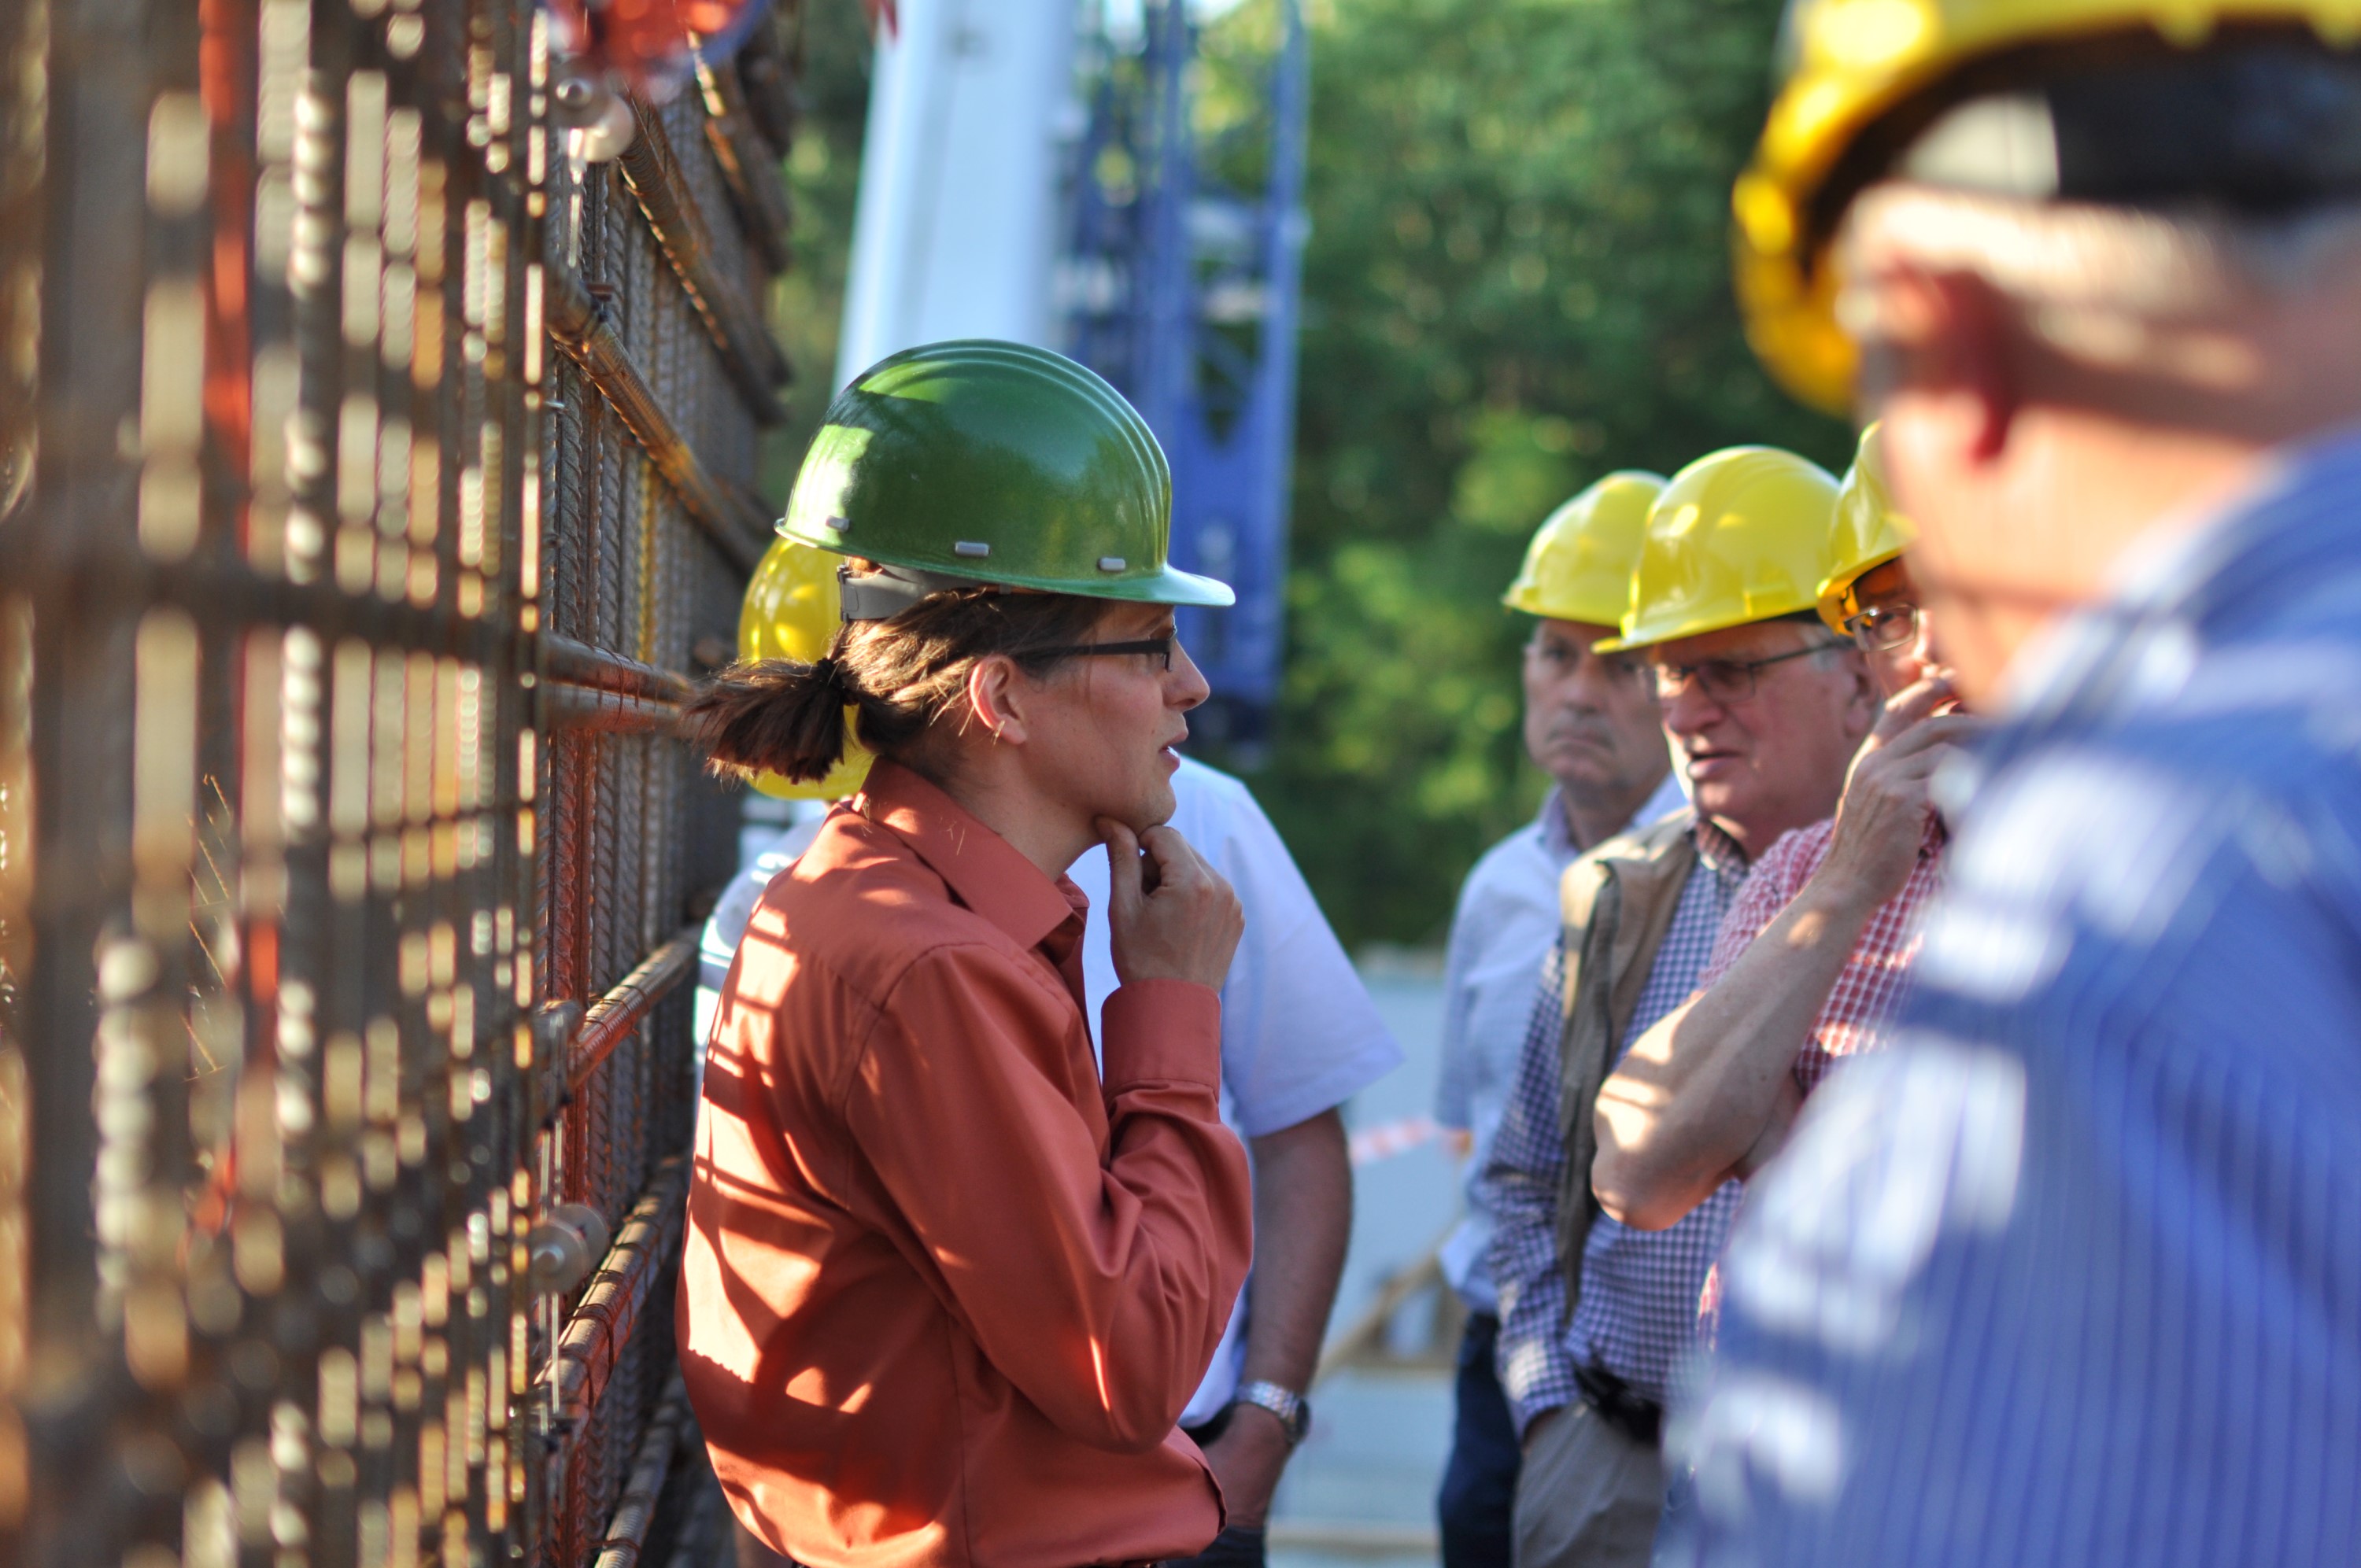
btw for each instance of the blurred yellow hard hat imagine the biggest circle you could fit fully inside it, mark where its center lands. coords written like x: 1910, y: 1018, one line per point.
x: 1739, y: 535
x: 1869, y: 531
x: 1578, y: 566
x: 791, y: 612
x: 1847, y: 65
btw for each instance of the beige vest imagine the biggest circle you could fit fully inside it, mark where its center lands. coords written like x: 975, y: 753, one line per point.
x: 1617, y: 902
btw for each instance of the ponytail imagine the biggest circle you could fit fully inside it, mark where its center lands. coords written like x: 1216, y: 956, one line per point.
x: 773, y: 716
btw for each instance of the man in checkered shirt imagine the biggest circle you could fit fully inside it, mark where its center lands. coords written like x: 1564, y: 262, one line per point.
x: 1815, y: 952
x: 1765, y: 709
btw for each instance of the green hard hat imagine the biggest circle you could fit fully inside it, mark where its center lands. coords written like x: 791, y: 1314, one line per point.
x: 978, y: 461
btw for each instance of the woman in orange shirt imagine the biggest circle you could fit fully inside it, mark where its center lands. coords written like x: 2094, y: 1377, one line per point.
x: 948, y: 1285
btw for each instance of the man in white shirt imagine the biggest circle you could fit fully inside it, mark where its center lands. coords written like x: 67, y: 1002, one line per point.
x: 1300, y: 1037
x: 1593, y: 724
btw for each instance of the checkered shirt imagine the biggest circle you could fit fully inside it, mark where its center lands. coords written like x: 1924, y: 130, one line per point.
x: 1873, y: 982
x: 1868, y: 989
x: 1637, y: 1315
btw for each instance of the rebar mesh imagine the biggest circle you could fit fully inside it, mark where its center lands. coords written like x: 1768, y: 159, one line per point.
x: 316, y: 871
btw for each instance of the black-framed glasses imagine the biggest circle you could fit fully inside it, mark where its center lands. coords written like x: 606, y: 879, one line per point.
x: 1883, y: 629
x: 1155, y: 647
x: 1726, y: 681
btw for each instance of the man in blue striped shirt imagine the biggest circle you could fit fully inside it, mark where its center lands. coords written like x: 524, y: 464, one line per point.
x: 1766, y: 709
x: 2074, y: 1275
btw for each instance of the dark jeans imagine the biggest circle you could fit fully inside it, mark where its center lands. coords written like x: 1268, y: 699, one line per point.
x: 1480, y: 1485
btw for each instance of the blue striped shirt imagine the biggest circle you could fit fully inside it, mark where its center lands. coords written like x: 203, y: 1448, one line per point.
x: 2074, y: 1275
x: 1637, y: 1314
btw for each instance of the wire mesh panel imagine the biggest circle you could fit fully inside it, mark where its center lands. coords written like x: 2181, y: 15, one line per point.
x: 372, y: 473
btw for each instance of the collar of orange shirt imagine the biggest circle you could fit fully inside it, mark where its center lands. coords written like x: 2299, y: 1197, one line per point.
x: 983, y: 871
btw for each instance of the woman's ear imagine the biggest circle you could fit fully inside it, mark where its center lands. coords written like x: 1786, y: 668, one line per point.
x: 995, y: 698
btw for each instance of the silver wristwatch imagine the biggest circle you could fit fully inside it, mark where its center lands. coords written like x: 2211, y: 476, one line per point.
x: 1294, y: 1411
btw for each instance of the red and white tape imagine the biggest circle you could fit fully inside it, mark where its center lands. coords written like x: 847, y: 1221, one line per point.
x: 1387, y: 1139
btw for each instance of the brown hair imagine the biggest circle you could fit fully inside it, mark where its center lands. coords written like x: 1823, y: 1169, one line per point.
x: 784, y: 717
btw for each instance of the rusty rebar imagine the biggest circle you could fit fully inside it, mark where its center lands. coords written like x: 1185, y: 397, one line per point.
x: 667, y: 1431
x: 621, y: 1010
x: 578, y: 327
x: 602, y: 1324
x: 748, y: 166
x: 752, y: 359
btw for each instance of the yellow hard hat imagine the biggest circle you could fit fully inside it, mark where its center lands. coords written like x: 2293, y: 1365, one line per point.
x: 1869, y: 532
x: 1739, y: 535
x: 1846, y: 65
x: 1578, y: 566
x: 791, y: 612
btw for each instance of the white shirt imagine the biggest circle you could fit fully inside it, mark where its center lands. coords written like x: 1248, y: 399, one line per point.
x: 1504, y: 927
x: 1299, y: 1035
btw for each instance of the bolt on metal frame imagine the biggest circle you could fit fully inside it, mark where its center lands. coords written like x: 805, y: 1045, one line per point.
x: 368, y: 471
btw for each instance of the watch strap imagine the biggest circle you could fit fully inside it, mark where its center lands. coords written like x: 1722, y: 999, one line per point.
x: 1294, y: 1411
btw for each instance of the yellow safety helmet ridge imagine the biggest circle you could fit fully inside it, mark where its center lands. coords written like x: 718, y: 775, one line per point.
x: 1845, y: 65
x: 1870, y: 529
x: 1578, y: 566
x: 792, y: 611
x: 1740, y: 535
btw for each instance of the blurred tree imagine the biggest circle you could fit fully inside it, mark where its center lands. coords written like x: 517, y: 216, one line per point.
x: 823, y: 181
x: 1516, y: 281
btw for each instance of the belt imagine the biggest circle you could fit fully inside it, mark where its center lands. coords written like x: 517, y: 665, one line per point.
x: 1622, y: 1406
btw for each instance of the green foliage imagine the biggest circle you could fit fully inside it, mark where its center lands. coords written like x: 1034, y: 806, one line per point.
x: 1516, y: 281
x: 823, y: 181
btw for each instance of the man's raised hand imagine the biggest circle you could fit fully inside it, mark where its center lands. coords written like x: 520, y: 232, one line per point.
x: 1881, y: 820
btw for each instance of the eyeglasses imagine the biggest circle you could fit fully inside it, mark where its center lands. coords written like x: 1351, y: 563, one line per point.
x: 1155, y: 647
x: 1883, y: 629
x: 1726, y: 681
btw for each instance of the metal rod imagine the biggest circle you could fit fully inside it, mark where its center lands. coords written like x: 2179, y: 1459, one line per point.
x: 748, y: 167
x: 627, y: 1531
x: 92, y: 578
x: 587, y: 708
x: 613, y: 1016
x: 748, y: 352
x: 579, y: 328
x: 610, y: 1310
x: 583, y: 665
x: 590, y: 689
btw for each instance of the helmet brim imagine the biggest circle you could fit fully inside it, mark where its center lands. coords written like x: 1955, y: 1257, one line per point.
x: 1660, y: 632
x: 1169, y: 585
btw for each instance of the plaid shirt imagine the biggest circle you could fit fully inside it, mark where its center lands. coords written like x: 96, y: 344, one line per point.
x: 1637, y: 1316
x: 1874, y: 979
x: 1868, y: 989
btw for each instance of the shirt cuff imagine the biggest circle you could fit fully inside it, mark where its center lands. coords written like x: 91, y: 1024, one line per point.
x: 1161, y: 1031
x: 1537, y: 1379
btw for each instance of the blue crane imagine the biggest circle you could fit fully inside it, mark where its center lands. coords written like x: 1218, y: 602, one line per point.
x: 1182, y: 282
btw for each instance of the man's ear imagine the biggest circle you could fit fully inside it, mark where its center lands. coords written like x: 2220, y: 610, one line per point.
x: 1947, y: 340
x: 993, y: 699
x: 1864, y: 704
x: 1979, y: 327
